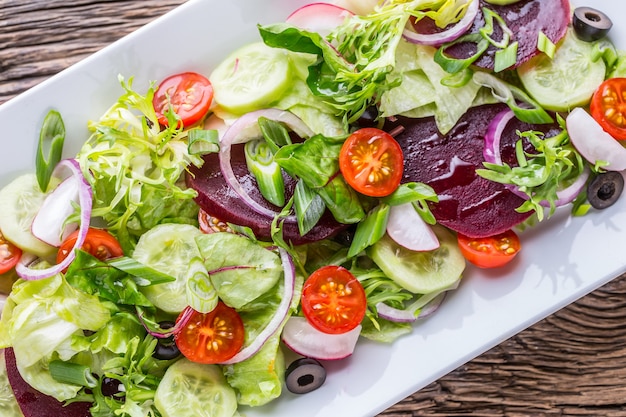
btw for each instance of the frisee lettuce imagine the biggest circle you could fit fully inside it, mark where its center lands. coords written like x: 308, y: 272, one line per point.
x: 135, y: 168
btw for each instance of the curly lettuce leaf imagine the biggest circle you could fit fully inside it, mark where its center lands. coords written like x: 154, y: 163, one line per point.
x: 136, y: 169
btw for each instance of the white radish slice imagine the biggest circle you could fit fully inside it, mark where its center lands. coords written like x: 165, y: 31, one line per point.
x: 306, y: 340
x: 593, y: 143
x: 49, y: 224
x: 23, y: 267
x: 319, y: 17
x: 407, y: 228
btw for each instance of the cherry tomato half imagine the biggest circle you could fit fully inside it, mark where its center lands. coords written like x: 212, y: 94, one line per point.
x: 492, y: 251
x: 9, y: 255
x: 333, y: 300
x: 371, y: 161
x: 189, y: 94
x: 212, y: 337
x: 608, y: 107
x: 98, y: 243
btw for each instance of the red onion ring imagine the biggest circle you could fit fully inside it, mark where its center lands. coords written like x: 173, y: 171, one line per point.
x: 427, y: 304
x: 85, y: 202
x: 279, y: 317
x: 491, y: 153
x: 245, y: 129
x: 448, y: 35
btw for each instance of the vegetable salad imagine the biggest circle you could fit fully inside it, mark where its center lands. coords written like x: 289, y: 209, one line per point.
x: 132, y: 295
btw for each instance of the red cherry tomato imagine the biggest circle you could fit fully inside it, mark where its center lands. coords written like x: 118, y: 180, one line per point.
x: 189, y: 94
x: 371, y: 161
x: 490, y: 252
x: 333, y: 300
x: 608, y: 107
x: 98, y: 243
x: 9, y: 255
x: 212, y: 337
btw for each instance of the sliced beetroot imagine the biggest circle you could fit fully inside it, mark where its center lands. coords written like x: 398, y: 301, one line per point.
x: 469, y: 204
x: 35, y: 404
x: 218, y: 199
x: 526, y: 19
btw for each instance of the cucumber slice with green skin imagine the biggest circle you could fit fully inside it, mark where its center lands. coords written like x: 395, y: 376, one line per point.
x: 421, y: 272
x: 251, y: 78
x: 168, y: 248
x: 566, y: 81
x: 20, y: 201
x: 190, y: 389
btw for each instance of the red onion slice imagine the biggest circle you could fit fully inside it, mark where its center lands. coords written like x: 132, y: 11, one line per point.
x: 407, y: 228
x: 593, y: 143
x: 491, y: 153
x: 448, y: 35
x: 48, y: 225
x: 427, y: 304
x: 245, y: 129
x: 319, y: 17
x: 279, y: 317
x: 85, y: 203
x: 307, y: 341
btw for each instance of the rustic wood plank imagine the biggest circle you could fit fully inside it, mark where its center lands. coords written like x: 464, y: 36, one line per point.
x: 570, y: 364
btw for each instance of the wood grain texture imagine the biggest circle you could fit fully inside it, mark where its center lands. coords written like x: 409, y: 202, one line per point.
x: 573, y: 363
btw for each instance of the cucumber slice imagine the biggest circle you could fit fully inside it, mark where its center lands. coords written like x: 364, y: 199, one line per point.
x: 251, y: 78
x: 168, y: 248
x: 420, y: 272
x: 20, y: 201
x: 190, y: 389
x: 566, y: 81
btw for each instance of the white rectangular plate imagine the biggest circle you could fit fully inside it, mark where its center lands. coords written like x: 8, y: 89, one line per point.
x: 562, y: 259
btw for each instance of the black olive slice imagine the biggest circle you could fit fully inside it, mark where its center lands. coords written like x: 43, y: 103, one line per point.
x: 604, y: 190
x: 590, y: 24
x: 305, y: 375
x: 166, y: 348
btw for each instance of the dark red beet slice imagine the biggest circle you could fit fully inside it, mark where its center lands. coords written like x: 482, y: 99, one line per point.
x: 217, y: 199
x: 526, y: 19
x: 468, y: 204
x: 35, y: 404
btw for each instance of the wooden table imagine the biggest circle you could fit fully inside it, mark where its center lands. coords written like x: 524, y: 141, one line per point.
x: 573, y: 363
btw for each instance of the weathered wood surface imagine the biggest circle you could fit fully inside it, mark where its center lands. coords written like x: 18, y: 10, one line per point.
x: 573, y: 363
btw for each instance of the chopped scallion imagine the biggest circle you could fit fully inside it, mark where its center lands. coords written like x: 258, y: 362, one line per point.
x: 268, y: 174
x: 50, y: 147
x: 370, y: 230
x: 545, y: 45
x: 72, y: 373
x: 506, y: 57
x: 202, y: 142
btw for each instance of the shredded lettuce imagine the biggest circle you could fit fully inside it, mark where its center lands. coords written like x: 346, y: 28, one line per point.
x: 135, y: 168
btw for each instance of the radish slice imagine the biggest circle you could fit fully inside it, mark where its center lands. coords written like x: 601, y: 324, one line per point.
x: 491, y: 153
x: 319, y: 17
x: 407, y: 228
x: 49, y: 223
x: 279, y: 317
x: 306, y: 340
x: 245, y: 129
x: 448, y: 35
x: 593, y: 143
x: 85, y: 203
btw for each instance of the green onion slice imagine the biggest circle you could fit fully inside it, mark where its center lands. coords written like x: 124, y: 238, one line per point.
x: 50, y: 147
